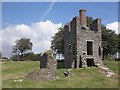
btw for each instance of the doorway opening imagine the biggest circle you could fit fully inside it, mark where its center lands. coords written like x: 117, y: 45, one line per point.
x: 90, y: 62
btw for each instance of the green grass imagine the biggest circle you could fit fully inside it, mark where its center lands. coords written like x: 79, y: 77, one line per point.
x: 82, y: 78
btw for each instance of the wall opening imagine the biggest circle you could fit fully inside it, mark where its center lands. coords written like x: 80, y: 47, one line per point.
x: 89, y: 48
x: 80, y: 62
x: 90, y: 62
x: 75, y: 63
x: 99, y: 51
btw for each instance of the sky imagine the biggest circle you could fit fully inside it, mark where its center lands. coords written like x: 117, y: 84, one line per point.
x: 21, y: 12
x: 39, y: 21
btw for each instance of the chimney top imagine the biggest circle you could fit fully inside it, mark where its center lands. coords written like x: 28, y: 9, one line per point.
x: 82, y: 14
x: 82, y: 10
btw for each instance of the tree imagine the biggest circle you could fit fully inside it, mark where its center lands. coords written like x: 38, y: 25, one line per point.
x: 109, y: 42
x: 119, y: 43
x: 0, y: 55
x: 22, y: 46
x: 58, y: 41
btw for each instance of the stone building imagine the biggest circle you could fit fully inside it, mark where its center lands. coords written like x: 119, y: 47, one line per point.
x: 82, y: 44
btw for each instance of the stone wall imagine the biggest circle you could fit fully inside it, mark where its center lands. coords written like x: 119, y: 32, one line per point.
x: 47, y: 70
x: 76, y: 36
x: 70, y: 42
x: 48, y: 61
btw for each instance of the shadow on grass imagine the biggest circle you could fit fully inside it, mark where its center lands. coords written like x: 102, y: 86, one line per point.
x: 60, y: 64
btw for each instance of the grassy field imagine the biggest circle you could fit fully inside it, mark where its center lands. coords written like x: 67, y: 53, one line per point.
x: 82, y: 78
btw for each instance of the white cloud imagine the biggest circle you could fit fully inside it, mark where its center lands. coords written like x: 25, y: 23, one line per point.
x: 115, y: 26
x: 40, y: 33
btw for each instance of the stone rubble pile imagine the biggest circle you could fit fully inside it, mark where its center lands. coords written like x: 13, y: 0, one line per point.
x: 41, y: 74
x: 47, y: 70
x: 107, y: 71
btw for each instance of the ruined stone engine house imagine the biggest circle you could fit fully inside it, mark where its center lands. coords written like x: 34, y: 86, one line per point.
x: 82, y: 44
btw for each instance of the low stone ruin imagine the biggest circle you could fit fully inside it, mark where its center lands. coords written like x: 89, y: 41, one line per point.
x: 107, y: 71
x: 47, y: 70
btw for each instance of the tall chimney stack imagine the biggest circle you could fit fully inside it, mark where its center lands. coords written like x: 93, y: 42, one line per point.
x: 82, y: 13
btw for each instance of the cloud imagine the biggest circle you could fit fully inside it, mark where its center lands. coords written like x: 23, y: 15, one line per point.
x: 115, y: 26
x: 49, y: 9
x: 40, y: 33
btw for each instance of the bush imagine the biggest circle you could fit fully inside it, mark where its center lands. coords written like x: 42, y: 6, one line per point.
x: 26, y: 57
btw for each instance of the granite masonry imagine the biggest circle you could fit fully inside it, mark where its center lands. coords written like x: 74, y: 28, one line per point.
x: 48, y: 61
x: 82, y: 44
x: 48, y: 66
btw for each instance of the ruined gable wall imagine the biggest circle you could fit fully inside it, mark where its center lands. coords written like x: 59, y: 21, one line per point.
x: 69, y: 40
